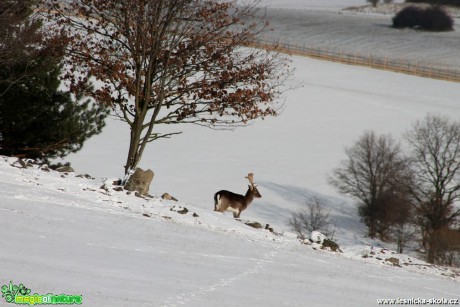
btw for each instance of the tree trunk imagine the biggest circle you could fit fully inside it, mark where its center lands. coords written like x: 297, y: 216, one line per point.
x: 133, y: 153
x: 372, y: 216
x: 432, y: 248
x: 372, y: 227
x: 400, y: 242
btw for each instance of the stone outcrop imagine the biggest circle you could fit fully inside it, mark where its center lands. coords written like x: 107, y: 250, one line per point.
x: 65, y: 169
x: 330, y: 245
x: 166, y: 196
x: 253, y: 224
x: 140, y: 181
x: 393, y: 260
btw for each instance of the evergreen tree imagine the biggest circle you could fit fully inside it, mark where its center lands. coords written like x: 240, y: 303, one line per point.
x: 20, y: 35
x: 37, y: 119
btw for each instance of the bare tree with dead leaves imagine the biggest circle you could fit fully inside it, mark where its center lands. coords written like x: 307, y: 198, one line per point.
x: 161, y: 62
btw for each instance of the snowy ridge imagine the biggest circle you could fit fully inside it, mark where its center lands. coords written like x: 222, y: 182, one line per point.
x: 78, y: 191
x: 199, y: 257
x: 102, y: 195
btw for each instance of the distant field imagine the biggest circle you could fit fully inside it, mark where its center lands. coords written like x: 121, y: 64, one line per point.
x: 364, y: 35
x: 313, y: 4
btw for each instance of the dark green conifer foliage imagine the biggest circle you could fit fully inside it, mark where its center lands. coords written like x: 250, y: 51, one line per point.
x: 38, y: 120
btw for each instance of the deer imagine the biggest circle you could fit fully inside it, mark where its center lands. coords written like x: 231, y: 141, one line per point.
x: 236, y: 203
x: 445, y: 239
x: 448, y: 238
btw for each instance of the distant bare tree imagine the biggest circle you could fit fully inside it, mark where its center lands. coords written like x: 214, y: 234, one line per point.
x: 373, y: 174
x: 403, y: 233
x: 435, y: 144
x: 312, y: 218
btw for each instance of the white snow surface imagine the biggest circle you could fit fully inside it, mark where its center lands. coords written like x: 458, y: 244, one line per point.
x: 330, y: 5
x: 78, y: 236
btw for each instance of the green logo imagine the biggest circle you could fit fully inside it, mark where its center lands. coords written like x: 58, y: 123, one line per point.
x: 21, y: 295
x: 10, y: 292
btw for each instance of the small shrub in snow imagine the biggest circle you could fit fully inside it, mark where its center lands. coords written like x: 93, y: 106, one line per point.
x: 431, y: 19
x: 436, y: 19
x: 311, y: 219
x: 408, y: 17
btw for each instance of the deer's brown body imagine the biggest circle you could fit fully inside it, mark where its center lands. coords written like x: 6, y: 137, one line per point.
x: 448, y: 238
x: 228, y: 201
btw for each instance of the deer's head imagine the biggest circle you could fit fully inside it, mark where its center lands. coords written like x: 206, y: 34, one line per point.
x: 252, y: 187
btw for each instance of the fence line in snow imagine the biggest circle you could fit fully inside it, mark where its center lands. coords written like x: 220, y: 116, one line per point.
x: 384, y: 63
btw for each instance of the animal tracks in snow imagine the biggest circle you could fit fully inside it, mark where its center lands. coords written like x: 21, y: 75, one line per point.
x: 223, y: 283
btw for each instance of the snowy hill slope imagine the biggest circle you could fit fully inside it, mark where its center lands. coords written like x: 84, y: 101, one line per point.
x: 291, y: 155
x: 67, y: 234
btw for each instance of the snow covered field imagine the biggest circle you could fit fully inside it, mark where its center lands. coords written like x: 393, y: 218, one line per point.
x: 65, y: 234
x: 364, y: 35
x: 368, y: 35
x: 329, y: 5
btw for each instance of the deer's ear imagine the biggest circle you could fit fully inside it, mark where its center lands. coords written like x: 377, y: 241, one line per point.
x: 251, y: 187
